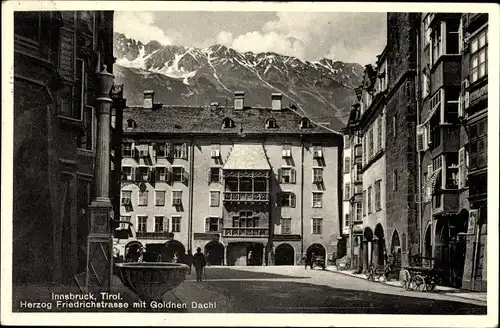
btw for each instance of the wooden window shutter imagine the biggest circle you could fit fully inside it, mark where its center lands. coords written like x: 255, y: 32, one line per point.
x: 461, y: 168
x: 293, y: 175
x: 136, y: 153
x: 157, y: 174
x: 209, y: 175
x: 220, y: 174
x: 292, y: 199
x: 168, y: 175
x: 133, y: 173
x: 280, y: 175
x: 207, y: 224
x: 221, y: 223
x: 152, y: 174
x: 184, y: 151
x: 185, y: 176
x: 168, y: 150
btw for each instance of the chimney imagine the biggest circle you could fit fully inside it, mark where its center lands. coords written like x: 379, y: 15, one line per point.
x: 276, y: 101
x: 149, y: 97
x: 239, y: 100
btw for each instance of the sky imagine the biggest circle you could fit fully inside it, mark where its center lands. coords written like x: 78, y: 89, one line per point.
x: 345, y: 36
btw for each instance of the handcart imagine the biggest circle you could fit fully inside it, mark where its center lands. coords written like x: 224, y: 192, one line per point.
x: 420, y: 275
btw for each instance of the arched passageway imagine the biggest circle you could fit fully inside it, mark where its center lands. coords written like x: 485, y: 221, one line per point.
x: 284, y: 255
x: 379, y: 253
x: 174, y: 249
x: 396, y: 250
x: 214, y: 252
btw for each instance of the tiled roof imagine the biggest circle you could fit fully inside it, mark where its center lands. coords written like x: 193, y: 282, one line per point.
x: 209, y: 119
x: 247, y: 157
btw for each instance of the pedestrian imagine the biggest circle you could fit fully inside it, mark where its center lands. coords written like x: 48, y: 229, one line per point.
x: 208, y: 259
x: 311, y: 260
x: 199, y: 263
x: 189, y: 260
x: 176, y: 258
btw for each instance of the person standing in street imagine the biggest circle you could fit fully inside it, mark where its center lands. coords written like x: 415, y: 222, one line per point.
x: 189, y: 260
x: 199, y: 263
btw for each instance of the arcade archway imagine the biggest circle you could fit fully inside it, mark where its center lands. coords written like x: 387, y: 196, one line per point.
x: 284, y: 255
x: 379, y: 246
x: 214, y: 252
x: 396, y: 249
x: 174, y: 247
x: 316, y: 250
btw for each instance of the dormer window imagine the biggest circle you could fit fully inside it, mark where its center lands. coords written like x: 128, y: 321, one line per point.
x: 305, y: 123
x: 227, y: 123
x: 271, y: 124
x: 131, y: 124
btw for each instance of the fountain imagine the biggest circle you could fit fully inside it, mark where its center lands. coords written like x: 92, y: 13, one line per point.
x: 151, y: 280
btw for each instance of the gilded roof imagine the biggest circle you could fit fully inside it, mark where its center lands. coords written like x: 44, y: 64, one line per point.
x: 247, y: 157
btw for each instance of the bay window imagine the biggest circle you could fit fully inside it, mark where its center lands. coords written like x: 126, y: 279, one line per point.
x: 478, y: 141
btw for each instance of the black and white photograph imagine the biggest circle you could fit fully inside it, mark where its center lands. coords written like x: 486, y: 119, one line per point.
x: 179, y: 159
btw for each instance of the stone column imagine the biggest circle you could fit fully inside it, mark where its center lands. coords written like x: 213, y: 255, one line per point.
x: 100, y: 242
x: 375, y: 250
x: 364, y: 255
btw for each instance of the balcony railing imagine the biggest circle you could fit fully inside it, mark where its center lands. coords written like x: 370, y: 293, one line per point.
x: 246, y: 232
x: 154, y: 235
x: 235, y: 196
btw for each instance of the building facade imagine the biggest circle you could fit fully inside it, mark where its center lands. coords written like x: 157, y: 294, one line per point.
x: 250, y: 186
x: 453, y: 70
x: 55, y: 57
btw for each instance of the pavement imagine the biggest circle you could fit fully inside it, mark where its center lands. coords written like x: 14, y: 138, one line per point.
x: 282, y: 289
x: 444, y: 290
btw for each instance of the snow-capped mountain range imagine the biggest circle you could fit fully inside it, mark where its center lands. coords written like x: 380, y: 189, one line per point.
x: 322, y: 90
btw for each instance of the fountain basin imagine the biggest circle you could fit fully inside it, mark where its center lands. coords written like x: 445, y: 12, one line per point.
x: 150, y: 280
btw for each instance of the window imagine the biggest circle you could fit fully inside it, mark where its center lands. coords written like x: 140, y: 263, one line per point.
x: 369, y: 200
x: 425, y: 84
x: 317, y: 228
x: 176, y: 197
x: 159, y: 220
x: 478, y: 144
x: 347, y: 142
x: 180, y: 151
x: 437, y: 163
x: 227, y: 123
x: 161, y: 173
x: 395, y: 125
x: 160, y: 198
x: 286, y: 226
x: 142, y: 225
x: 317, y: 175
x: 28, y: 25
x: 286, y: 175
x: 161, y: 151
x: 127, y: 149
x: 452, y: 36
x: 131, y: 124
x: 364, y: 150
x: 287, y: 150
x: 126, y: 197
x: 215, y: 174
x: 436, y: 44
x: 176, y: 224
x: 427, y: 30
x: 287, y: 199
x: 359, y: 212
x: 143, y: 198
x: 87, y: 135
x: 305, y: 123
x: 85, y: 22
x: 260, y: 185
x: 271, y: 123
x: 395, y: 180
x: 479, y: 56
x: 347, y: 191
x: 214, y: 198
x: 317, y: 151
x: 379, y: 134
x: 177, y: 173
x: 143, y: 173
x: 212, y: 224
x: 364, y: 202
x: 317, y: 199
x: 124, y: 218
x: 378, y: 206
x: 347, y: 165
x: 127, y: 173
x: 451, y: 107
x: 451, y: 173
x: 78, y: 89
x: 215, y: 153
x: 246, y: 220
